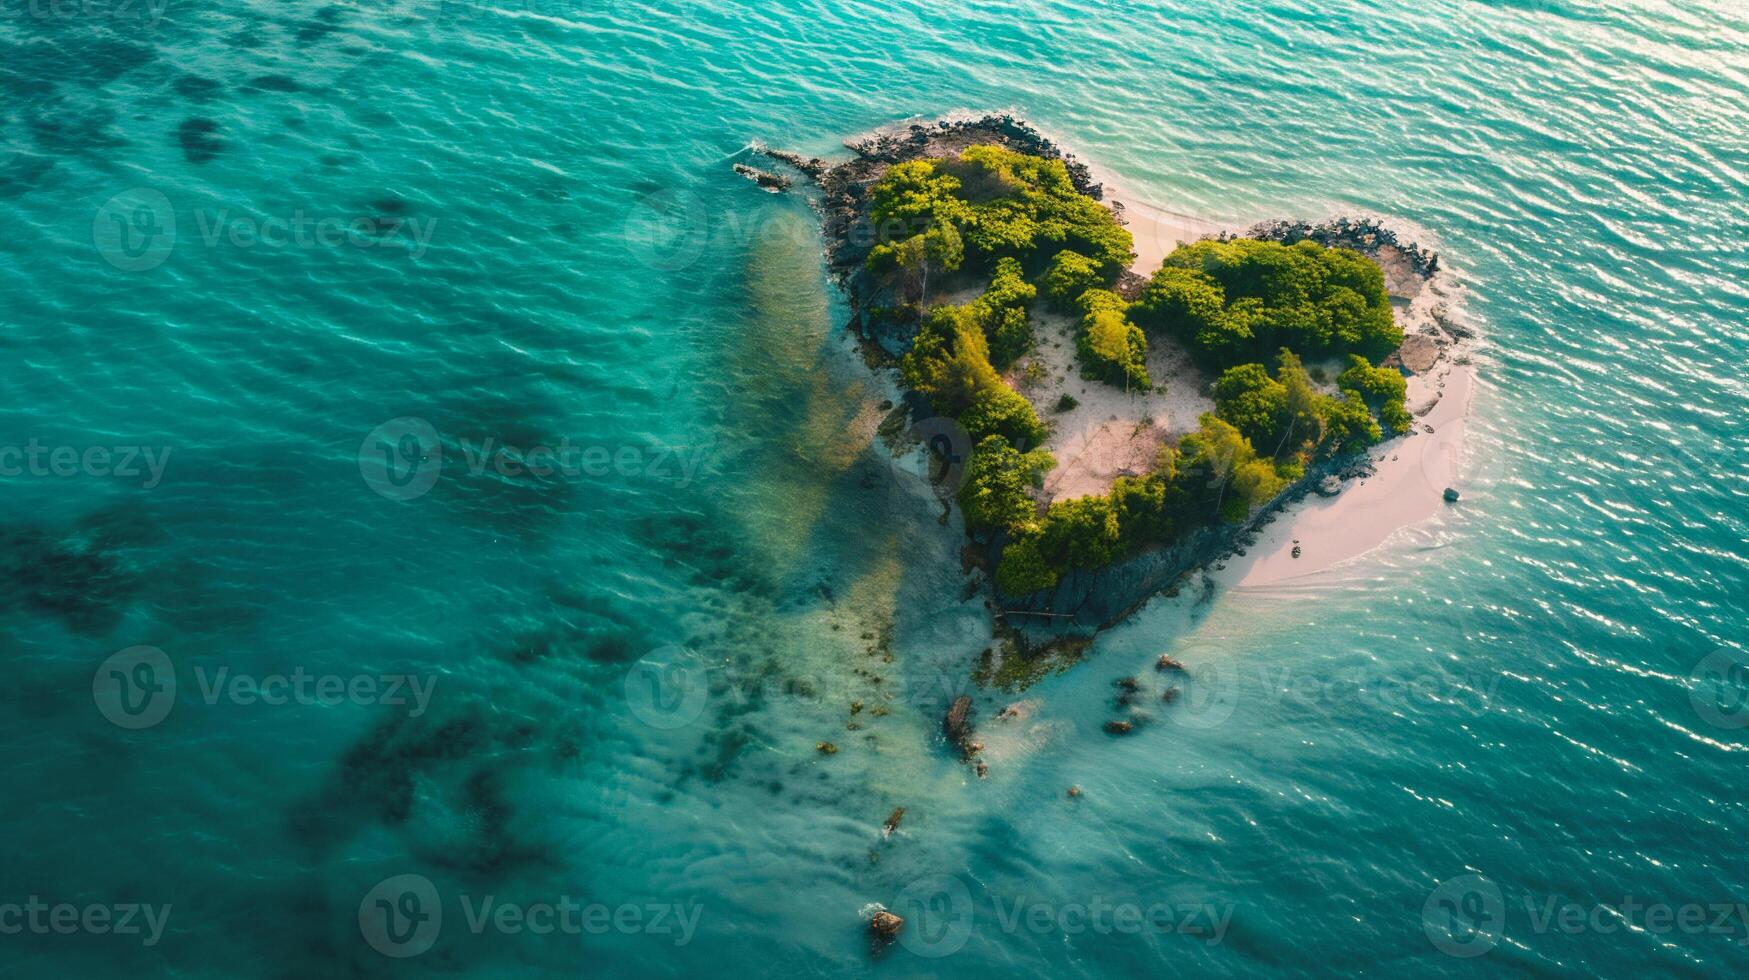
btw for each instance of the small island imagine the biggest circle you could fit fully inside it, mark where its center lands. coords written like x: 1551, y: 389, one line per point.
x: 984, y: 265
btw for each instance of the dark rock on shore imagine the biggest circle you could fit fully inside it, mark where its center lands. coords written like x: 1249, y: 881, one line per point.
x: 1361, y: 234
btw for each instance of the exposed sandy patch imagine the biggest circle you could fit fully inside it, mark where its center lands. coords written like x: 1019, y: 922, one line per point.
x: 1114, y: 433
x: 1111, y: 433
x: 1157, y: 232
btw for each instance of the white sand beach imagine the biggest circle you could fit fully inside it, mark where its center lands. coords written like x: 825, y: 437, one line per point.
x: 1112, y: 433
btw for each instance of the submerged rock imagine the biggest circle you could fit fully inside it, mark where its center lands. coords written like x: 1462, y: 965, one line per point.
x: 892, y: 823
x: 958, y: 724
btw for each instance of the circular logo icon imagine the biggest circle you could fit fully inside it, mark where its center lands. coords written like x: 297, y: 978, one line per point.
x: 667, y: 688
x: 401, y: 916
x: 1719, y: 688
x: 1464, y: 916
x: 135, y: 688
x: 938, y: 916
x: 401, y: 458
x: 135, y: 230
x: 667, y: 230
x: 945, y: 449
x: 1208, y: 688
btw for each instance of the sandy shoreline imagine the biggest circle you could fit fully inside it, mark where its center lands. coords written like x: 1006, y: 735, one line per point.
x: 1411, y: 472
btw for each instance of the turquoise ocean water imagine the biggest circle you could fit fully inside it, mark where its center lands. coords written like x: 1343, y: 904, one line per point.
x: 253, y: 236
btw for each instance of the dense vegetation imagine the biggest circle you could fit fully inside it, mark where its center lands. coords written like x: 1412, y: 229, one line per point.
x: 1240, y: 301
x: 1248, y: 310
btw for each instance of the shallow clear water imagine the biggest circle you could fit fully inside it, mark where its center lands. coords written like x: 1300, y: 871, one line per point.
x: 553, y: 248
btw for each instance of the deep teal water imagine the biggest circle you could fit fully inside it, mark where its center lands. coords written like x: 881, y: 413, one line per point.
x: 553, y: 248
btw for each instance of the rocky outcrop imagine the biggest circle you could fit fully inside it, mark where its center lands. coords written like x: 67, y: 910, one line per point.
x: 764, y: 178
x: 1367, y: 235
x: 843, y: 208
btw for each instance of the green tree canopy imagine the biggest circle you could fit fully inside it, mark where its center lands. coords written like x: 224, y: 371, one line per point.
x: 999, y: 479
x: 1068, y: 276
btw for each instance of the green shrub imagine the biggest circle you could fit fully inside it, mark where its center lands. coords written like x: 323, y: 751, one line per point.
x: 1110, y: 348
x: 1289, y: 419
x: 998, y: 410
x: 1068, y: 276
x: 999, y: 479
x: 1383, y: 389
x: 949, y: 362
x: 1306, y: 297
x: 1001, y: 312
x: 1022, y: 569
x: 1253, y: 402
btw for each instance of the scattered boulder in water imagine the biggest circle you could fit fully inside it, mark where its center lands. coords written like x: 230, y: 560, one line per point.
x: 1119, y: 727
x: 826, y: 748
x: 1074, y: 791
x: 1451, y: 496
x: 1167, y: 663
x: 892, y: 823
x: 885, y: 926
x: 764, y: 178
